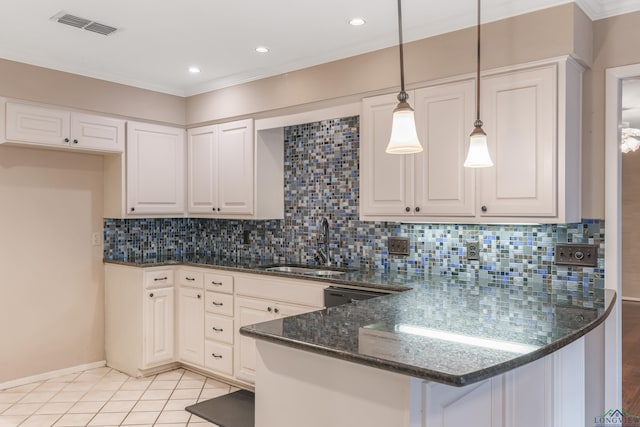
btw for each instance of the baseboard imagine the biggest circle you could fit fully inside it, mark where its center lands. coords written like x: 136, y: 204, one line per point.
x: 630, y: 299
x: 52, y: 374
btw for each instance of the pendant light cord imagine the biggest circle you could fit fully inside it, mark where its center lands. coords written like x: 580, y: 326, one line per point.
x: 478, y: 71
x: 402, y: 96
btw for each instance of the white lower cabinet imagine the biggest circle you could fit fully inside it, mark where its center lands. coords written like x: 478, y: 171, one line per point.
x: 198, y: 322
x: 254, y: 310
x: 139, y: 318
x: 158, y: 308
x: 191, y: 325
x: 218, y: 357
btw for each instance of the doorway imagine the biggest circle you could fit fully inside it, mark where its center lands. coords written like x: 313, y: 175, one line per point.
x: 614, y: 218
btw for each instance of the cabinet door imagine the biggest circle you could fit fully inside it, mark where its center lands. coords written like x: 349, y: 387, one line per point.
x: 191, y: 325
x: 155, y: 169
x: 235, y: 167
x: 386, y: 183
x: 519, y: 110
x: 30, y: 123
x: 249, y: 311
x: 444, y: 118
x: 97, y: 133
x: 202, y: 188
x: 158, y: 326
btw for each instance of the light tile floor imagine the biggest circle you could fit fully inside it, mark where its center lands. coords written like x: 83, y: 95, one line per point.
x: 106, y: 397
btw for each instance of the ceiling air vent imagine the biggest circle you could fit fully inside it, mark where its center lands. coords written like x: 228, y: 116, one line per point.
x: 96, y: 27
x: 86, y: 24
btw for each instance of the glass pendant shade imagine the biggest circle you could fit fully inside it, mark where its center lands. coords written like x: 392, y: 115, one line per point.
x: 478, y: 155
x: 404, y: 137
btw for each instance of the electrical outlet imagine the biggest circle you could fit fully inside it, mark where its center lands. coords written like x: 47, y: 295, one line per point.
x: 473, y: 250
x: 576, y: 254
x: 246, y: 234
x: 96, y: 238
x: 398, y: 245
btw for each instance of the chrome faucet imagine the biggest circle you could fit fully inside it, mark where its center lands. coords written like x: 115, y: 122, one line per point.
x: 322, y: 252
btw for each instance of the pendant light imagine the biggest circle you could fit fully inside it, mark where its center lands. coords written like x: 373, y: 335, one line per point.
x: 478, y: 155
x: 404, y: 137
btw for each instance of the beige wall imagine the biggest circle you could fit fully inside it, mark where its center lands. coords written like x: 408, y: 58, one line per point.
x: 614, y: 44
x: 48, y: 86
x: 51, y: 286
x: 539, y: 35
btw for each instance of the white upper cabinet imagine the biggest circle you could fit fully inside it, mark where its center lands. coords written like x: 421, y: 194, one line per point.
x: 221, y: 169
x: 532, y: 116
x: 202, y: 155
x: 235, y: 167
x: 534, y: 141
x: 49, y: 126
x: 445, y: 113
x: 427, y: 184
x: 98, y: 133
x: 386, y: 180
x: 155, y: 169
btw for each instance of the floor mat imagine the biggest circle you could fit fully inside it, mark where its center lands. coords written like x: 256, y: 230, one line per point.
x: 236, y: 409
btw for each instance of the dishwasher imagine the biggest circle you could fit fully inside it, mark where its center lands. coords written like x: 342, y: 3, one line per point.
x: 334, y: 295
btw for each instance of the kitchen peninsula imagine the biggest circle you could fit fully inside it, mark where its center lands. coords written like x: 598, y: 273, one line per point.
x: 439, y: 351
x: 443, y: 354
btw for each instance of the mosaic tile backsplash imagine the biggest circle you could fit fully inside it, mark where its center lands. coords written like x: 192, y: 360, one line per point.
x: 322, y: 180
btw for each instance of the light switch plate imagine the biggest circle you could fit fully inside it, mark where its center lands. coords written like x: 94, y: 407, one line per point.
x: 576, y: 254
x: 398, y: 246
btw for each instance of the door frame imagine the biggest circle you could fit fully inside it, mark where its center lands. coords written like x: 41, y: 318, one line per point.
x: 613, y: 225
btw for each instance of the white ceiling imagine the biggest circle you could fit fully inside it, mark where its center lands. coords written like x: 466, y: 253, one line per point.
x: 158, y: 40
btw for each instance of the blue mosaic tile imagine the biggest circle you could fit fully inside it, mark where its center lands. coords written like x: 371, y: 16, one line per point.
x: 321, y: 179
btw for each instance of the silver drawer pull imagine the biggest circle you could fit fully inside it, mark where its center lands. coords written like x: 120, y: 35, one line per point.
x: 216, y: 283
x: 191, y: 279
x: 158, y: 279
x: 217, y: 304
x: 217, y: 330
x: 217, y: 356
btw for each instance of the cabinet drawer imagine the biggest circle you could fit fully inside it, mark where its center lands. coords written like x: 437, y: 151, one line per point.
x: 158, y: 278
x: 190, y: 278
x: 218, y: 328
x: 219, y: 303
x: 219, y: 283
x: 218, y: 357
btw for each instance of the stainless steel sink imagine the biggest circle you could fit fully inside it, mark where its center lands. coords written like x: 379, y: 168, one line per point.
x: 308, y: 271
x: 324, y: 273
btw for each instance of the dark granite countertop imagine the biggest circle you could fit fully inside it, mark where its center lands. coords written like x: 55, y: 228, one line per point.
x: 445, y: 330
x: 372, y: 279
x: 424, y: 332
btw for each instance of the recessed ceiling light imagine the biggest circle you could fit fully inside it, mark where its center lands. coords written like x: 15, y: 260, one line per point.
x: 262, y: 49
x: 194, y: 70
x: 356, y: 22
